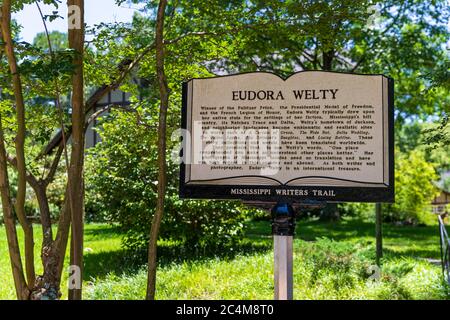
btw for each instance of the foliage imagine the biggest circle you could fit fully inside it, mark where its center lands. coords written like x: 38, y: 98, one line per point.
x: 43, y: 76
x: 446, y: 184
x: 439, y: 136
x: 121, y: 184
x: 414, y: 189
x: 365, y: 211
x: 407, y: 43
x: 58, y: 40
x: 416, y: 136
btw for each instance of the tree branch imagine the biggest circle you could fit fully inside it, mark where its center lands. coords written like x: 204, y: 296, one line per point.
x: 372, y: 46
x: 54, y: 166
x: 126, y: 66
x: 19, y: 143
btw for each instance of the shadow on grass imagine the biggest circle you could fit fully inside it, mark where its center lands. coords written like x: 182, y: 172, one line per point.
x: 413, y: 253
x: 399, y: 241
x: 99, y: 265
x: 101, y: 231
x: 180, y: 254
x: 122, y: 262
x: 310, y: 230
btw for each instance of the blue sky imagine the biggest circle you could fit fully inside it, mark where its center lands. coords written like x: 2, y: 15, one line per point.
x: 96, y: 11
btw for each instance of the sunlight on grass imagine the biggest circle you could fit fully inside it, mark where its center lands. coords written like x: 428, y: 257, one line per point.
x: 331, y: 262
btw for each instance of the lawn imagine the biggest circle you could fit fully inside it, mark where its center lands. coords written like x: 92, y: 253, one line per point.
x: 332, y: 261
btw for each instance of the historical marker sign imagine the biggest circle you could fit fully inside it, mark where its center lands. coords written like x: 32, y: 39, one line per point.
x: 321, y: 136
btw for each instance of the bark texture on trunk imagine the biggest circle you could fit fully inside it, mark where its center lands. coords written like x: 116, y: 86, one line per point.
x: 162, y: 166
x: 62, y: 235
x: 47, y: 286
x: 328, y: 57
x: 75, y: 181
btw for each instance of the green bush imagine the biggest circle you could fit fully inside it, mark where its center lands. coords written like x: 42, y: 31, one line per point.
x: 414, y: 192
x: 414, y: 189
x: 121, y: 184
x: 366, y: 211
x: 333, y: 260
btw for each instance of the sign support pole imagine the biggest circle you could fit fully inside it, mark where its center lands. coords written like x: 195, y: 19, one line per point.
x: 283, y: 226
x: 379, y: 232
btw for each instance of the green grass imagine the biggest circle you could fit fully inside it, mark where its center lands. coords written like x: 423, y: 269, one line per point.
x: 332, y: 261
x: 105, y: 239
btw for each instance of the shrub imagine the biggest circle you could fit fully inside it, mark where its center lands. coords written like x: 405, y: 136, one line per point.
x: 122, y: 188
x: 366, y: 211
x: 414, y: 189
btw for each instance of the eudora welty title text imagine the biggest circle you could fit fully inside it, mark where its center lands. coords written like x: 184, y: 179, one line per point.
x: 306, y: 94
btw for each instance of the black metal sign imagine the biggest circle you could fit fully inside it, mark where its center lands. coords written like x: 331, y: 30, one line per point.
x: 315, y: 136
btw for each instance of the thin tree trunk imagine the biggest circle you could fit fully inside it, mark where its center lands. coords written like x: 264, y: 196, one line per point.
x: 327, y: 60
x: 75, y: 181
x: 20, y: 143
x: 162, y: 166
x: 40, y: 190
x: 47, y: 286
x: 20, y: 283
x: 62, y: 236
x: 8, y: 215
x: 330, y: 212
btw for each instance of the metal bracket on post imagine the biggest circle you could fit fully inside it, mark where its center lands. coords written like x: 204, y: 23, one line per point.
x: 283, y: 227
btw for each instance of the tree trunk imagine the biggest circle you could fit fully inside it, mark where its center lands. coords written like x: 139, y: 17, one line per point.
x: 330, y: 212
x: 162, y: 166
x: 62, y: 236
x: 40, y: 190
x: 327, y: 59
x: 20, y: 283
x: 75, y: 181
x: 47, y: 286
x: 379, y: 232
x: 19, y: 142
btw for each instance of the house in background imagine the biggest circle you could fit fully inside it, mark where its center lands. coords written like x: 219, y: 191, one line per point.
x: 441, y: 203
x: 116, y: 97
x: 113, y: 98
